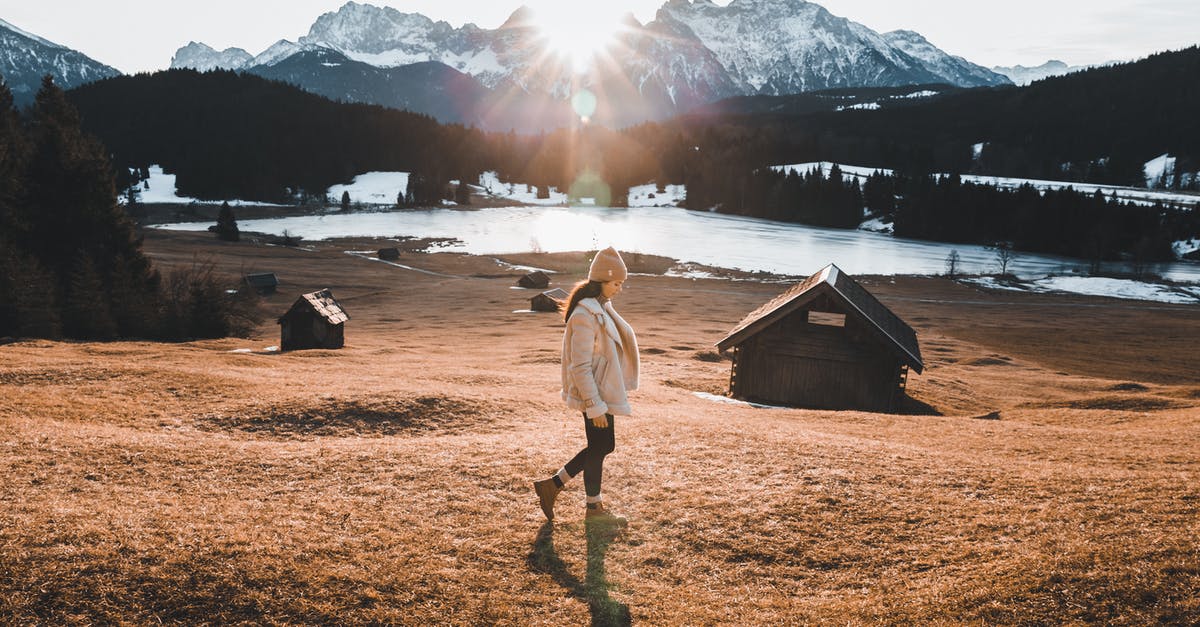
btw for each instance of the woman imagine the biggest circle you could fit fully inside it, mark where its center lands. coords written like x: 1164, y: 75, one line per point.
x: 599, y: 367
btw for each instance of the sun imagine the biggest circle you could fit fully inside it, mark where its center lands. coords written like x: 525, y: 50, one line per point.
x: 577, y: 31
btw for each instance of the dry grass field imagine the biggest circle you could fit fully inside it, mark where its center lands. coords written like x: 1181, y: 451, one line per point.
x: 389, y: 482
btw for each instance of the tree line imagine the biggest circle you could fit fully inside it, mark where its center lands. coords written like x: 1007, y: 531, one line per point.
x: 71, y: 262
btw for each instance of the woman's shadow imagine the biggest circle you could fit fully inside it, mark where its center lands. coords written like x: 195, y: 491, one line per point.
x: 594, y: 588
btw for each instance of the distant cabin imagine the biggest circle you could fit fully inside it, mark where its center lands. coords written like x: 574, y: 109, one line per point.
x: 825, y: 343
x: 263, y: 282
x: 315, y: 320
x: 536, y: 280
x: 549, y: 300
x: 389, y: 254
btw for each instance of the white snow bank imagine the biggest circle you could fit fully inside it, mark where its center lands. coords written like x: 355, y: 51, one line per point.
x: 647, y: 196
x: 1159, y: 171
x: 160, y: 188
x: 1185, y: 246
x: 1102, y: 286
x: 725, y: 400
x: 518, y: 192
x: 375, y: 188
x: 1137, y: 195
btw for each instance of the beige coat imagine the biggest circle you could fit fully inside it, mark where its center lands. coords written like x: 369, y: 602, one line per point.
x: 599, y: 360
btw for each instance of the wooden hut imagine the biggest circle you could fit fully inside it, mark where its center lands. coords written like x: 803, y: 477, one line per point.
x: 315, y: 320
x: 549, y: 300
x: 825, y: 343
x: 536, y: 280
x: 389, y: 254
x: 263, y: 282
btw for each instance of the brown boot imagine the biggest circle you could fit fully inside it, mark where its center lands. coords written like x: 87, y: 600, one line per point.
x: 547, y: 492
x: 599, y: 516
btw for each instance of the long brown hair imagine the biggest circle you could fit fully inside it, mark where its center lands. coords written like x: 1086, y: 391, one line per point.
x: 582, y: 290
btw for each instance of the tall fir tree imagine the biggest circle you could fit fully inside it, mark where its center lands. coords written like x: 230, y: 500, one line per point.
x: 77, y: 230
x: 227, y: 228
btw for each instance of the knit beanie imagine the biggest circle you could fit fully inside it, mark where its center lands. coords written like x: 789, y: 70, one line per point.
x: 608, y: 266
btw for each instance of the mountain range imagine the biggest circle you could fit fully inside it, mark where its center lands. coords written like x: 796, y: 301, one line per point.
x: 693, y: 53
x: 25, y: 58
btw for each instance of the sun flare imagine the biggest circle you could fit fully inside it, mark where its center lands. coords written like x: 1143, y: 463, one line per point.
x: 578, y: 31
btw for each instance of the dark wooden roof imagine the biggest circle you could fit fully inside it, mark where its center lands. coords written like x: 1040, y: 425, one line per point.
x: 262, y: 279
x: 323, y: 303
x: 537, y: 278
x: 893, y: 331
x: 558, y: 294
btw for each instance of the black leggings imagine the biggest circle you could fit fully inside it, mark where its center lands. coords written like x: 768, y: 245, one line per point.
x: 600, y: 442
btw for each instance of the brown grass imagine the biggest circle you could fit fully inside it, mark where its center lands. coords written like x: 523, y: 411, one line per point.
x: 389, y: 482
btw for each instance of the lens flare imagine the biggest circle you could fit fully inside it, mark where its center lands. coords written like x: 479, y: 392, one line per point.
x: 578, y: 31
x: 584, y: 103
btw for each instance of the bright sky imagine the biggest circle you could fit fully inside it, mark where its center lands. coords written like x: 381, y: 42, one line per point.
x: 142, y: 35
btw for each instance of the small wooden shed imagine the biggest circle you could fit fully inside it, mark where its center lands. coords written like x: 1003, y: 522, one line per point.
x: 537, y: 280
x: 549, y: 300
x: 389, y: 254
x: 315, y: 320
x: 825, y: 343
x: 262, y: 282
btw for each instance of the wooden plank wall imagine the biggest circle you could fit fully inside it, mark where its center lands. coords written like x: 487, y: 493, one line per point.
x: 813, y: 365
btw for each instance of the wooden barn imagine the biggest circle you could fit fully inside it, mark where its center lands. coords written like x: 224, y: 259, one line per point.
x: 389, y: 254
x: 549, y: 300
x: 534, y: 280
x: 315, y: 320
x: 826, y: 343
x: 263, y: 282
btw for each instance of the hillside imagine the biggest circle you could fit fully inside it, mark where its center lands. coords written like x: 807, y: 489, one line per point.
x: 1100, y: 125
x: 228, y: 135
x: 388, y: 482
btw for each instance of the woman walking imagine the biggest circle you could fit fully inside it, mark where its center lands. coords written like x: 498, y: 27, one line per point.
x: 599, y: 367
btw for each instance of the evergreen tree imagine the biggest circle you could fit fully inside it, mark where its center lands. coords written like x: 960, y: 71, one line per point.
x: 227, y: 228
x: 76, y: 229
x: 462, y: 193
x: 87, y: 314
x: 345, y: 201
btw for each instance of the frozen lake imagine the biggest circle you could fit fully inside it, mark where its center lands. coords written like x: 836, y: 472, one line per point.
x: 706, y: 238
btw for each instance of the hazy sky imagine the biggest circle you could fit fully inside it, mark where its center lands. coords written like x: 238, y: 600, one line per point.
x: 142, y: 35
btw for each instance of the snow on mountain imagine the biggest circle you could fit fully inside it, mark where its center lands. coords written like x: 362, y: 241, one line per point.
x: 202, y: 58
x: 955, y: 70
x: 277, y: 52
x: 1021, y: 75
x: 693, y: 53
x: 789, y: 46
x: 25, y: 58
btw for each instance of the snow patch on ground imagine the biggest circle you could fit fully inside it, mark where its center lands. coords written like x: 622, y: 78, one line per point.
x: 1159, y: 170
x: 1100, y: 286
x: 1137, y: 195
x: 490, y: 184
x: 1185, y: 246
x: 877, y: 225
x: 725, y: 400
x: 160, y: 188
x: 862, y: 106
x: 646, y: 196
x: 373, y: 188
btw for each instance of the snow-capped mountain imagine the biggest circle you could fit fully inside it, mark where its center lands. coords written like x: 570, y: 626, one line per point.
x: 1021, y: 75
x: 693, y: 53
x: 25, y: 58
x: 202, y: 58
x: 789, y: 46
x: 953, y: 69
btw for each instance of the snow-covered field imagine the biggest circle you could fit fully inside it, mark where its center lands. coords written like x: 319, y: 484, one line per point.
x: 373, y: 188
x: 1137, y: 195
x: 160, y: 188
x: 646, y: 196
x: 1101, y: 286
x: 491, y: 185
